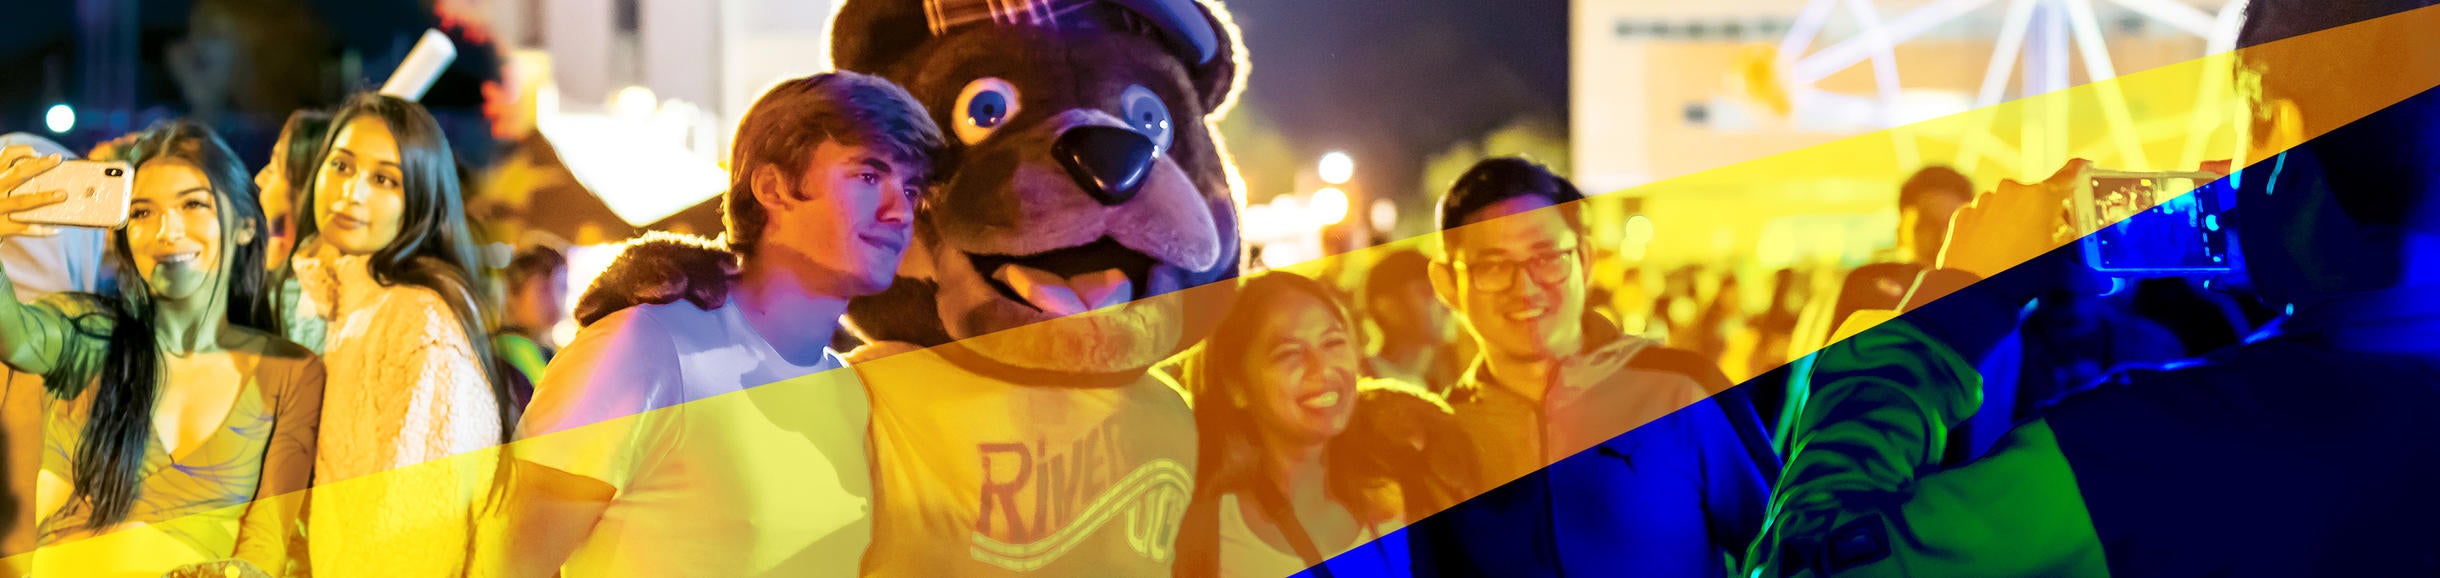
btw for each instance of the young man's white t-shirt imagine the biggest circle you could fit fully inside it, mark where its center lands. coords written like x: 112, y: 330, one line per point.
x: 727, y: 459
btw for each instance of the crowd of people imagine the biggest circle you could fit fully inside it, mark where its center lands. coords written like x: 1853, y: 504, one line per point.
x: 295, y: 373
x: 329, y: 323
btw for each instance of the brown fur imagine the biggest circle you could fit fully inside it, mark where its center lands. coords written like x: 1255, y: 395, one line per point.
x: 1005, y: 195
x: 660, y: 267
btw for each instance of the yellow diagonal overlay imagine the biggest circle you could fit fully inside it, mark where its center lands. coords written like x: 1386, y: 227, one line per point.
x: 1066, y: 480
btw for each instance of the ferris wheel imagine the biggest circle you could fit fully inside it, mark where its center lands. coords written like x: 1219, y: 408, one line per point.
x: 2038, y: 33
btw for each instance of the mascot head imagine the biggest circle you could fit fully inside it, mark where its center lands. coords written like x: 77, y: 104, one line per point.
x: 1085, y: 187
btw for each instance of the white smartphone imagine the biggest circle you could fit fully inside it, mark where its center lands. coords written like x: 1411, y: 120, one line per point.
x: 98, y: 193
x: 423, y: 66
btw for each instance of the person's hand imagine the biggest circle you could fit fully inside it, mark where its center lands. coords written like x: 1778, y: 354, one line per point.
x: 113, y: 149
x: 2012, y: 224
x: 18, y: 165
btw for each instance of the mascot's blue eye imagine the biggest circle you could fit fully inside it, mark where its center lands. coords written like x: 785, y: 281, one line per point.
x: 1147, y: 114
x: 988, y: 109
x: 983, y: 107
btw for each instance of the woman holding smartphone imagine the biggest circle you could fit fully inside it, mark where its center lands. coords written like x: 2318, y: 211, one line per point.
x: 386, y: 262
x: 206, y: 418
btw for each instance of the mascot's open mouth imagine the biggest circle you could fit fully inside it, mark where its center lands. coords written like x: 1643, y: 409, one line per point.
x: 1073, y: 280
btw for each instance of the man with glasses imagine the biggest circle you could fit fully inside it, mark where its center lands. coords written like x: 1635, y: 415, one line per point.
x: 1674, y: 497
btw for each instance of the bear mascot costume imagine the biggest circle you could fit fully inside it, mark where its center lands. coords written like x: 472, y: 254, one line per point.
x: 1080, y: 232
x: 1018, y: 423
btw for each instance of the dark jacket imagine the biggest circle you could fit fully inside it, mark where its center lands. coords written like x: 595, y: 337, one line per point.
x: 2304, y: 454
x: 1675, y: 496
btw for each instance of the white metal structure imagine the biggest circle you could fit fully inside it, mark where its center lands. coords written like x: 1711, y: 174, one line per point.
x: 2038, y: 31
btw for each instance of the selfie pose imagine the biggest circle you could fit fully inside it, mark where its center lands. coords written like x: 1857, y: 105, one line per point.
x: 176, y: 415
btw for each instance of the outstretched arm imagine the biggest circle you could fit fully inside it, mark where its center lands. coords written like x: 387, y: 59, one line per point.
x: 32, y: 337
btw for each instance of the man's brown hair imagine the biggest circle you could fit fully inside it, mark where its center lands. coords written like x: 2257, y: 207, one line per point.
x: 787, y: 122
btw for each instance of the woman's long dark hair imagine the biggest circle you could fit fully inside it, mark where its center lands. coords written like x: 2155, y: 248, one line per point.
x: 435, y: 249
x: 306, y: 131
x: 1228, y: 449
x: 1231, y: 452
x: 109, y: 459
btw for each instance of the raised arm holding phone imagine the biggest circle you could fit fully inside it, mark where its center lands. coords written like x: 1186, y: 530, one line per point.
x: 211, y: 417
x: 2300, y: 452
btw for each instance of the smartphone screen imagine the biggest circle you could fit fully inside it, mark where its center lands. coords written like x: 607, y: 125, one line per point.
x: 2159, y: 224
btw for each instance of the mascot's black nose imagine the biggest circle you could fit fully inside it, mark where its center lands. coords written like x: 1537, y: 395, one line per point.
x: 1109, y: 162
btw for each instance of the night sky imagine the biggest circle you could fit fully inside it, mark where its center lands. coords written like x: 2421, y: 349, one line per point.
x: 1393, y: 81
x: 1390, y: 81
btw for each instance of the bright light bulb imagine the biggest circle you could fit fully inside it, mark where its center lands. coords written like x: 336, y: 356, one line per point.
x: 1287, y: 206
x: 1338, y: 168
x: 1283, y: 255
x: 1639, y: 230
x: 1384, y: 215
x: 1255, y: 222
x: 564, y: 332
x: 634, y: 101
x: 1274, y: 256
x: 1329, y: 206
x: 60, y: 118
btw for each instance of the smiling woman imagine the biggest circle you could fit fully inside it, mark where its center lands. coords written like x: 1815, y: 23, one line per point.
x: 206, y: 409
x: 1288, y: 477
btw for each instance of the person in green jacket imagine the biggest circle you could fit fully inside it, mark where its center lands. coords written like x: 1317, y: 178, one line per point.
x: 2299, y: 453
x: 537, y: 280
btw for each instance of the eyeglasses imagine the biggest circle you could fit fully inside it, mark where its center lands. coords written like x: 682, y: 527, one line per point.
x: 1546, y: 268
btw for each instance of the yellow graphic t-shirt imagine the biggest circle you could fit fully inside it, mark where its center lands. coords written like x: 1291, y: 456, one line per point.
x: 979, y: 477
